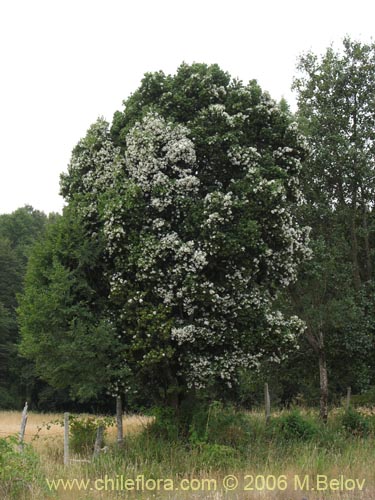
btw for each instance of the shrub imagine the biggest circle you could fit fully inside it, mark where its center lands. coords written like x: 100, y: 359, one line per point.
x: 17, y: 470
x: 166, y: 425
x: 294, y: 426
x: 220, y: 425
x: 355, y: 423
x: 365, y: 399
x: 83, y: 432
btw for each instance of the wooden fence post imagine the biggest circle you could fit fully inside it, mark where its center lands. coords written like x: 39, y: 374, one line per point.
x: 66, y: 438
x: 348, y: 396
x: 98, y: 441
x: 23, y: 427
x: 120, y: 433
x: 267, y: 402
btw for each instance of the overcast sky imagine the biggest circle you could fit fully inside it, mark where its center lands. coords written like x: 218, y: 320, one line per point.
x: 64, y: 63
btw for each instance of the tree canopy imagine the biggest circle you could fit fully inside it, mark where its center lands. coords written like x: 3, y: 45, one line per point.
x: 185, y: 203
x: 336, y: 95
x: 18, y: 232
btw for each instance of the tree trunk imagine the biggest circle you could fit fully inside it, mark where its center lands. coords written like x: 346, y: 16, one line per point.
x: 354, y: 245
x: 316, y: 340
x: 173, y: 401
x: 356, y: 185
x: 367, y: 243
x: 323, y: 385
x: 267, y: 403
x: 172, y: 391
x: 120, y: 433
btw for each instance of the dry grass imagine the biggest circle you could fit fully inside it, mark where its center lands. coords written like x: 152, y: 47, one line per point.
x: 10, y: 424
x: 357, y: 460
x: 37, y: 424
x: 47, y: 438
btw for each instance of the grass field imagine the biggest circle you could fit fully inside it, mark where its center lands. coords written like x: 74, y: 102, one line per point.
x: 10, y: 424
x: 267, y: 468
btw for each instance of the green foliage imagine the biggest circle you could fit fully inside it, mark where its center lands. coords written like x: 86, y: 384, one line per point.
x: 82, y: 435
x: 22, y: 228
x: 187, y: 199
x: 64, y: 326
x: 334, y: 292
x: 165, y: 426
x: 199, y: 423
x: 6, y: 399
x: 18, y: 471
x: 83, y: 430
x: 108, y: 308
x: 296, y: 436
x: 356, y: 424
x: 169, y: 439
x: 218, y: 456
x: 221, y: 425
x: 18, y: 233
x: 294, y: 426
x: 367, y: 398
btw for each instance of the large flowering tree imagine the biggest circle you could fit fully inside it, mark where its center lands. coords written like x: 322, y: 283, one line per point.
x: 190, y: 192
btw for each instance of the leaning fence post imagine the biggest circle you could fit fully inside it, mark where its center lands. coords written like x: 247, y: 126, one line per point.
x: 267, y: 402
x: 23, y: 427
x: 98, y: 441
x: 348, y: 396
x: 120, y: 434
x: 66, y: 438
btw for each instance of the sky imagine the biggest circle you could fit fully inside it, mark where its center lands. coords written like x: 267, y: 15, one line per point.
x: 64, y: 63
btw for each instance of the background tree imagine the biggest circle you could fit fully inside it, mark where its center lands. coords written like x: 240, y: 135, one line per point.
x: 336, y: 96
x: 11, y: 282
x: 72, y: 341
x: 18, y: 232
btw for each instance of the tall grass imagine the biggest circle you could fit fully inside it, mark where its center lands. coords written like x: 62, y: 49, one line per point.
x: 231, y: 443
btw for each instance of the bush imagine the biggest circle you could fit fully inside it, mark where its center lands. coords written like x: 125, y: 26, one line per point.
x: 17, y: 470
x: 201, y: 423
x: 354, y: 423
x: 294, y: 426
x: 166, y: 425
x: 83, y: 432
x: 220, y: 425
x: 365, y: 399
